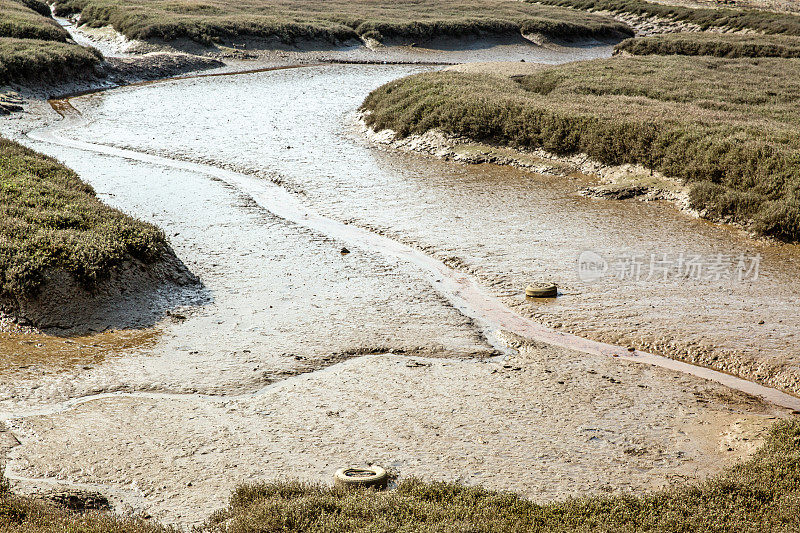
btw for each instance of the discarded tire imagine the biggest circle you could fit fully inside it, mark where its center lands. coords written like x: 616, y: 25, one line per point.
x: 541, y: 290
x: 373, y: 476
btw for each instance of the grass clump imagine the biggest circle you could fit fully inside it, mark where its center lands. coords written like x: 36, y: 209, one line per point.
x: 38, y: 6
x: 50, y: 219
x: 726, y: 127
x: 23, y: 22
x: 20, y: 514
x: 713, y: 44
x: 26, y: 60
x: 762, y: 494
x: 737, y: 19
x: 34, y: 48
x: 334, y: 20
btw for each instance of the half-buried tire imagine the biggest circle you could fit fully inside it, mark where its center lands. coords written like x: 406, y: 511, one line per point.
x: 541, y: 290
x: 373, y: 476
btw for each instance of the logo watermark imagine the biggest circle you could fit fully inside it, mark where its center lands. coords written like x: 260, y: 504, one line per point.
x: 662, y: 267
x: 591, y: 266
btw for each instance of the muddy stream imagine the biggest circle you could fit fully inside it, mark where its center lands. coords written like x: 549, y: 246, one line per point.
x: 414, y: 347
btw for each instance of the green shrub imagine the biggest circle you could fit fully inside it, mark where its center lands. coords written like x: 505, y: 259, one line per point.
x: 19, y: 21
x: 37, y: 6
x: 50, y: 219
x: 335, y: 20
x: 20, y: 514
x: 31, y: 60
x: 737, y: 19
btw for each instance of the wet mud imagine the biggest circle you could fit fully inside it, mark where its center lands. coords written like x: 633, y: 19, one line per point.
x: 305, y: 359
x: 549, y: 423
x: 505, y: 226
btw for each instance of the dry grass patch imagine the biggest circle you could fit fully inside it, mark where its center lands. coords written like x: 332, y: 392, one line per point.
x: 26, y: 515
x: 713, y: 44
x: 17, y: 20
x: 33, y: 47
x: 209, y: 21
x: 32, y: 60
x: 723, y: 17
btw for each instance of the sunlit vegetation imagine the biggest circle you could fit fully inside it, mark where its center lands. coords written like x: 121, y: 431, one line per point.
x: 336, y: 20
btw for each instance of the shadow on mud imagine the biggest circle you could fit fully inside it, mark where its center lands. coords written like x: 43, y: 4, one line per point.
x: 134, y: 295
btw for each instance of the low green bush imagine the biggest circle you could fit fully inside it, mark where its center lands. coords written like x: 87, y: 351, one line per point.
x: 737, y: 19
x: 335, y: 20
x: 37, y: 6
x: 20, y: 21
x: 32, y: 60
x: 20, y: 514
x: 50, y: 219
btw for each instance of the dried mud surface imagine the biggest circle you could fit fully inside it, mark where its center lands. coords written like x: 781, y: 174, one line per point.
x: 506, y: 226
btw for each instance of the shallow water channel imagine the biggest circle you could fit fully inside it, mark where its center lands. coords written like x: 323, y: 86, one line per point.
x: 260, y: 180
x: 298, y: 127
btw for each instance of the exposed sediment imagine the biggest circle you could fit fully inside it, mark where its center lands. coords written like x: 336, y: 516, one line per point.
x: 133, y: 295
x: 113, y: 71
x: 611, y: 183
x: 616, y: 182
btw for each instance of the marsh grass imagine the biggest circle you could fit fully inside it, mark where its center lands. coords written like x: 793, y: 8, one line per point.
x: 32, y: 60
x: 290, y: 21
x: 726, y: 127
x: 713, y: 44
x: 18, y: 20
x: 737, y: 19
x: 37, y: 6
x: 33, y: 47
x: 25, y: 515
x: 50, y: 219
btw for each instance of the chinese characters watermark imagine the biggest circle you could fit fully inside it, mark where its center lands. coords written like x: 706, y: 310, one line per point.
x: 663, y: 266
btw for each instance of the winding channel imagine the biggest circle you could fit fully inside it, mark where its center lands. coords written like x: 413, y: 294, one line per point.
x: 303, y: 358
x: 462, y: 290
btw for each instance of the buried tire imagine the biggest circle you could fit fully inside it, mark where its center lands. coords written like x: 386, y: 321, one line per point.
x: 372, y: 476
